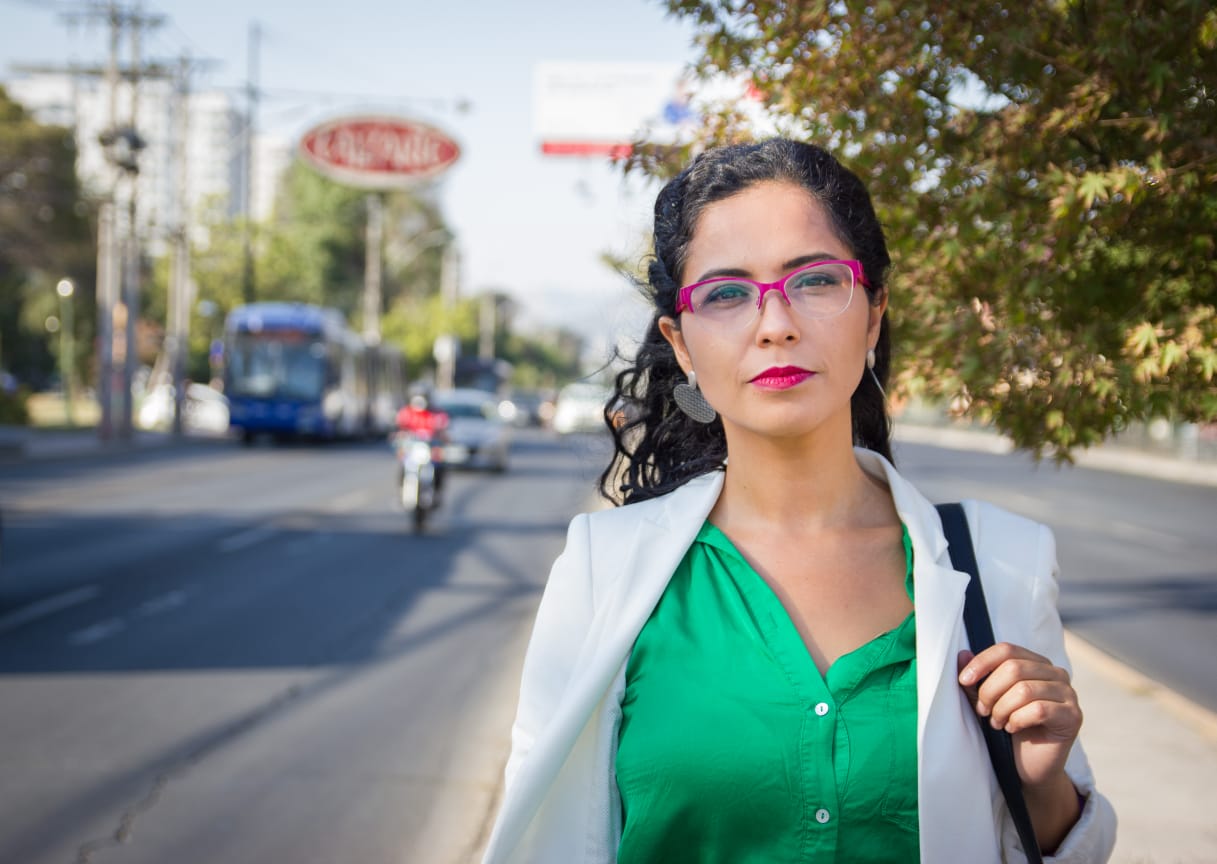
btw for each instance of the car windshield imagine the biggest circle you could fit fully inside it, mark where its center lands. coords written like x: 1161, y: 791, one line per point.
x: 463, y: 409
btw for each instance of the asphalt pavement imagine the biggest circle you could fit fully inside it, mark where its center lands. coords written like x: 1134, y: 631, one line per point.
x: 1154, y: 752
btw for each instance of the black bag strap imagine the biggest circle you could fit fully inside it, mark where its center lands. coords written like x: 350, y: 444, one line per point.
x: 980, y: 636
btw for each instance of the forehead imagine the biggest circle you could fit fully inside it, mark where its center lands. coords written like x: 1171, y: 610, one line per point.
x: 758, y: 228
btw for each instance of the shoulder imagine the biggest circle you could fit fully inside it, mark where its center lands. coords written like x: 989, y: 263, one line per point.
x: 687, y: 500
x: 1004, y: 536
x: 625, y: 546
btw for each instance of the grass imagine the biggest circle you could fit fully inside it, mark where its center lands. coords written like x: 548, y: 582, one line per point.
x: 48, y: 411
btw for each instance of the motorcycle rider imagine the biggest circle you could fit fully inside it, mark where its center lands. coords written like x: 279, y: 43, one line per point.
x: 418, y: 419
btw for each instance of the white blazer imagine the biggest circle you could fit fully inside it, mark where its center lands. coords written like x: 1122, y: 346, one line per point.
x: 561, y: 804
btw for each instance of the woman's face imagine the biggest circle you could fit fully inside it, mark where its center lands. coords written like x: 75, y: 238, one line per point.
x: 763, y: 233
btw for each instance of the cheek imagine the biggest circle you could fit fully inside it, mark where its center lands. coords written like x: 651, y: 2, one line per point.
x: 711, y: 354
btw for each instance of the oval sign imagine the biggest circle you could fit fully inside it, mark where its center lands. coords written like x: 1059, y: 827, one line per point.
x: 378, y: 152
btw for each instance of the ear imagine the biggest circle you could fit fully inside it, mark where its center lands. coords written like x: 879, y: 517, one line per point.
x: 874, y: 320
x: 671, y: 331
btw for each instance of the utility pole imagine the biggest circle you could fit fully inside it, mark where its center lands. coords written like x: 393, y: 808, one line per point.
x: 487, y: 324
x: 131, y: 284
x: 117, y: 243
x: 448, y: 345
x: 248, y: 276
x: 180, y: 299
x: 108, y: 268
x: 372, y: 266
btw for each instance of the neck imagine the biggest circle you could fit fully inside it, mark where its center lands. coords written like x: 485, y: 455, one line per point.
x: 801, y: 485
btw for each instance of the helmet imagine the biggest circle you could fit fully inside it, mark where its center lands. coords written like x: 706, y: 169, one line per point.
x: 420, y: 398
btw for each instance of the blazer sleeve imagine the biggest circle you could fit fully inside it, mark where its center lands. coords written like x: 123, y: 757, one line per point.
x: 1093, y: 837
x: 562, y: 622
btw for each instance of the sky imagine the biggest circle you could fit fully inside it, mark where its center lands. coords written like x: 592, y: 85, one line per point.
x: 532, y: 225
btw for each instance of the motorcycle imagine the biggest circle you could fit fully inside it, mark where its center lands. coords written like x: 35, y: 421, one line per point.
x: 417, y: 465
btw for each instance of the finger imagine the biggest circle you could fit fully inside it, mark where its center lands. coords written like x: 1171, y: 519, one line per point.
x: 1013, y: 672
x: 970, y: 688
x: 986, y: 661
x: 1054, y: 720
x: 1028, y: 693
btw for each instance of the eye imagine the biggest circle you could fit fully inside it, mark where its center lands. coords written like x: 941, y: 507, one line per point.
x: 818, y: 279
x: 721, y: 294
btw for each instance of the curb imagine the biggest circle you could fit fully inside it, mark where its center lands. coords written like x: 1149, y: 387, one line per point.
x: 1103, y: 458
x: 1199, y: 718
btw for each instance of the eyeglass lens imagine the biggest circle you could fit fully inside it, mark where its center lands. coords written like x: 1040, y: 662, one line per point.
x: 817, y: 291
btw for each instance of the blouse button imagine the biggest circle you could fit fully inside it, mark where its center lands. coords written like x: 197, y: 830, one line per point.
x: 822, y: 816
x: 822, y: 709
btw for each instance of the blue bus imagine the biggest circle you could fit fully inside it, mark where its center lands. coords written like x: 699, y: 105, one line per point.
x: 293, y: 369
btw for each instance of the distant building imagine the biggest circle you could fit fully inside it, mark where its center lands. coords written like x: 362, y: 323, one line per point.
x: 215, y: 174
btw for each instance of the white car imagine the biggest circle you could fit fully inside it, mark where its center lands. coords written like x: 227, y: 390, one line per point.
x: 205, y: 410
x: 478, y: 434
x: 580, y: 408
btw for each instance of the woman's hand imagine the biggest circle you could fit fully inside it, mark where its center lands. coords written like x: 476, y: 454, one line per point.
x: 1029, y: 697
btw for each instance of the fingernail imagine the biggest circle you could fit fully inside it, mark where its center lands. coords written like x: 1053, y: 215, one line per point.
x: 968, y: 676
x: 993, y: 722
x: 982, y: 709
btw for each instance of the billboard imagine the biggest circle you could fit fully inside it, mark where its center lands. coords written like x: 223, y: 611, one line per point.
x: 597, y: 109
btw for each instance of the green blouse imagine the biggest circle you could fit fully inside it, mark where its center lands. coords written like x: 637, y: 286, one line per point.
x: 733, y: 748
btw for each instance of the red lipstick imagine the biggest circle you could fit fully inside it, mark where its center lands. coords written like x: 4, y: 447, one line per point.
x: 781, y: 377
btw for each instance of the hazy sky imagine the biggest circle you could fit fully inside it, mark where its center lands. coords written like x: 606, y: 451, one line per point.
x: 531, y: 224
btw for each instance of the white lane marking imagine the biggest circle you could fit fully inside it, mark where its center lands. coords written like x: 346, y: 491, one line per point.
x: 48, y: 606
x: 163, y: 603
x: 308, y: 544
x: 99, y: 631
x: 247, y: 538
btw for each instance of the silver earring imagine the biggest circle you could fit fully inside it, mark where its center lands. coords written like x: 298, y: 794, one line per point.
x: 691, y: 401
x: 870, y: 367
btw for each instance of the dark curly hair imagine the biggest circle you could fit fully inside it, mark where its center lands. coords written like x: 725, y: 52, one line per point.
x: 656, y: 447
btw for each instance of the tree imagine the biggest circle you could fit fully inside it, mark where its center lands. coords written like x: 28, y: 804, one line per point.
x: 1046, y: 172
x: 45, y: 235
x: 312, y: 250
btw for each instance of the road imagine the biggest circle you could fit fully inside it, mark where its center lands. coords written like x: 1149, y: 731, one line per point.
x: 241, y: 655
x: 220, y: 654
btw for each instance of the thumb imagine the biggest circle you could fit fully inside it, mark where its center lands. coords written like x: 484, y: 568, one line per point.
x: 962, y: 660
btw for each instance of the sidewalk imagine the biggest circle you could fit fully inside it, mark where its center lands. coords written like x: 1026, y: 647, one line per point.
x: 23, y: 443
x: 1154, y: 755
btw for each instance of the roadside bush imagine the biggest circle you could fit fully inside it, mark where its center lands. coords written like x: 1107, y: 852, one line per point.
x: 13, y: 411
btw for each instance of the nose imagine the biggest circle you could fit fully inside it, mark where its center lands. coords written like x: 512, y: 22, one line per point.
x: 776, y: 323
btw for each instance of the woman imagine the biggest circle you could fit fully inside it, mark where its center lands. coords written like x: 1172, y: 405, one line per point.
x: 761, y: 658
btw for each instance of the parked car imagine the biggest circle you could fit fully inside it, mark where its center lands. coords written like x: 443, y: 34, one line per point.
x: 205, y: 410
x: 580, y: 408
x: 478, y: 434
x: 532, y: 407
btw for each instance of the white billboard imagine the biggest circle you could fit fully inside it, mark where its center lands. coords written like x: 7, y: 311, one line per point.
x: 599, y: 108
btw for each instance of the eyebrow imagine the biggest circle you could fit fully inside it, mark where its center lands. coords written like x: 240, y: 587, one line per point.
x: 792, y: 264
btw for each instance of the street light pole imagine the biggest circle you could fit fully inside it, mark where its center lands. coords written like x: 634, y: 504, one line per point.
x: 67, y: 347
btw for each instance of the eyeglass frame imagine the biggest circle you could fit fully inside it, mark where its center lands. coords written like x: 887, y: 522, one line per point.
x: 685, y: 294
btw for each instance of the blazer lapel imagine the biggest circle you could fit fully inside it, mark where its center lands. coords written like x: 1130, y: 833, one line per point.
x: 631, y: 557
x: 954, y: 799
x: 634, y: 559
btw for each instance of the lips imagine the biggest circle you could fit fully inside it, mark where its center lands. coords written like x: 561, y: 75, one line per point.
x: 782, y: 377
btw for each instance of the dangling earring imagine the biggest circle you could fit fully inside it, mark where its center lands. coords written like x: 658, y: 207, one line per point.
x: 870, y: 367
x: 691, y: 401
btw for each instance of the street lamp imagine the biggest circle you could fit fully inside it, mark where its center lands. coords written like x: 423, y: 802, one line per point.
x: 67, y: 346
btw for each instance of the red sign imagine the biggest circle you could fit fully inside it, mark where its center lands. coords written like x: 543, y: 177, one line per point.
x: 378, y: 152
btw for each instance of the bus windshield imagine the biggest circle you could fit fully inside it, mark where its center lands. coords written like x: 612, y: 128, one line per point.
x: 287, y: 365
